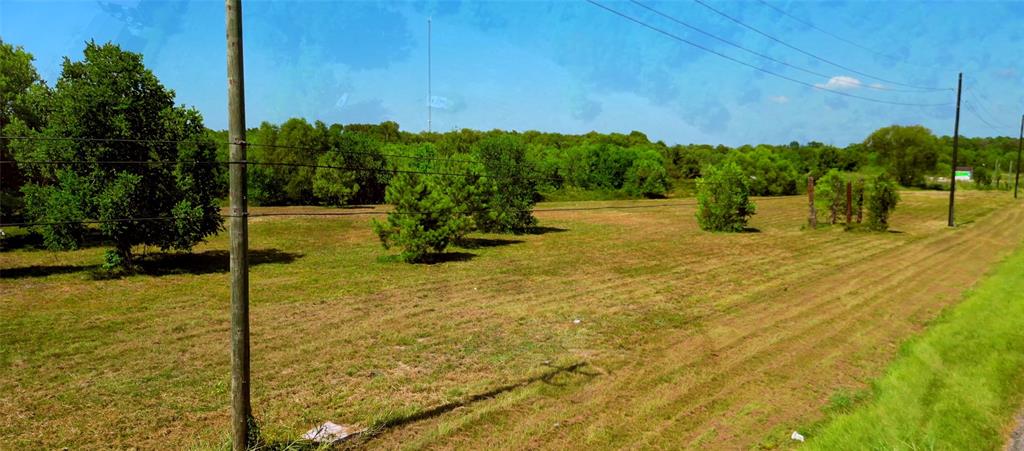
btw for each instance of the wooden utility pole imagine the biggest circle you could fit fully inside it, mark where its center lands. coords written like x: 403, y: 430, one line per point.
x: 1020, y: 146
x: 956, y: 143
x: 812, y: 216
x: 849, y: 202
x: 241, y: 410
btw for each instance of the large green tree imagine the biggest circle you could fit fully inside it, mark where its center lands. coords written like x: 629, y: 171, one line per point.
x: 22, y: 111
x: 909, y: 152
x: 109, y: 108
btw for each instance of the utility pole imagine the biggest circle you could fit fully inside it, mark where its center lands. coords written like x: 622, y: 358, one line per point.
x: 430, y: 96
x: 1020, y: 145
x: 956, y: 143
x: 241, y: 410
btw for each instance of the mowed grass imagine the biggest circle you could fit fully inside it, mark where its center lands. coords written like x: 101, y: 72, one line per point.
x: 957, y: 386
x: 684, y: 338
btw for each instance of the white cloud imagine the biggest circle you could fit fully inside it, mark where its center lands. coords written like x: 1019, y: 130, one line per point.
x: 779, y: 99
x: 840, y: 82
x: 441, y: 103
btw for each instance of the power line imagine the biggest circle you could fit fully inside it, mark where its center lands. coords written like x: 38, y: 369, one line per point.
x: 754, y: 52
x: 835, y: 36
x: 812, y: 55
x: 971, y: 108
x: 979, y: 104
x: 722, y: 55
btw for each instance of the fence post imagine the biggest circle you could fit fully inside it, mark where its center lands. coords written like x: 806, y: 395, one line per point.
x: 812, y: 218
x: 849, y: 202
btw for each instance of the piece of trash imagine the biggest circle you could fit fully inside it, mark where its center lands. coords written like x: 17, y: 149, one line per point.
x: 796, y: 436
x: 331, y: 433
x: 576, y: 321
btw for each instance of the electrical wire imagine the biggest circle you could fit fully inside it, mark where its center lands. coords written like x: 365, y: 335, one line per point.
x: 980, y: 105
x: 762, y: 55
x: 835, y: 36
x: 812, y: 55
x: 775, y: 74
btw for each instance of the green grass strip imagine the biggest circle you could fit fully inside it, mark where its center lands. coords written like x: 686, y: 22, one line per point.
x: 957, y: 386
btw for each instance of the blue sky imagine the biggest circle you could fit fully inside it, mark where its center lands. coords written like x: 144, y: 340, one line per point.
x: 566, y: 66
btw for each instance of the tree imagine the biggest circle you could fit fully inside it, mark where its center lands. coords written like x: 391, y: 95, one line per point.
x: 109, y: 107
x: 354, y: 169
x: 769, y: 174
x: 723, y: 199
x: 882, y: 200
x: 908, y: 151
x: 647, y: 176
x: 982, y: 177
x: 22, y: 111
x: 510, y: 208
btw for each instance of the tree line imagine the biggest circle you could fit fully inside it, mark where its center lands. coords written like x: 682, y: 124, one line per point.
x: 108, y: 107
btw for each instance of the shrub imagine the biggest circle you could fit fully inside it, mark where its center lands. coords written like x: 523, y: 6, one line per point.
x: 858, y: 200
x: 830, y: 194
x: 723, y: 199
x: 882, y: 200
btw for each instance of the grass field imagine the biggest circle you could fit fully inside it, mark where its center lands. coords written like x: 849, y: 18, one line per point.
x: 684, y: 338
x: 957, y: 386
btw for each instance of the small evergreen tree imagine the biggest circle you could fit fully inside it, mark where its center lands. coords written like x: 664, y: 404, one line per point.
x: 432, y: 207
x: 425, y: 220
x: 882, y: 202
x: 723, y: 199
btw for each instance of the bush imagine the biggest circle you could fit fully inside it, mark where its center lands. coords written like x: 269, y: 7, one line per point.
x: 882, y: 200
x: 830, y: 194
x: 858, y: 200
x: 723, y: 199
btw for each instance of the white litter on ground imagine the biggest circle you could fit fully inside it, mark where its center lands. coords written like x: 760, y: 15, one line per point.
x: 331, y: 433
x: 576, y: 321
x: 796, y: 436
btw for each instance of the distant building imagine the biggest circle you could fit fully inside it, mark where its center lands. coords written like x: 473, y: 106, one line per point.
x: 964, y: 173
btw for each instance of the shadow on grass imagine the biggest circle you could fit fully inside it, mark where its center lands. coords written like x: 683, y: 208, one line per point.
x: 161, y: 264
x: 361, y: 440
x: 34, y: 241
x: 750, y: 230
x: 477, y: 243
x: 541, y: 230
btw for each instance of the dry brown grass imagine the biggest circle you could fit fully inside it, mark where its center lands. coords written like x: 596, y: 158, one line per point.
x: 686, y: 338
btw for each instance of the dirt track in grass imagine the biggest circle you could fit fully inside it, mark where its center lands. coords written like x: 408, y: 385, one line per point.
x: 685, y: 338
